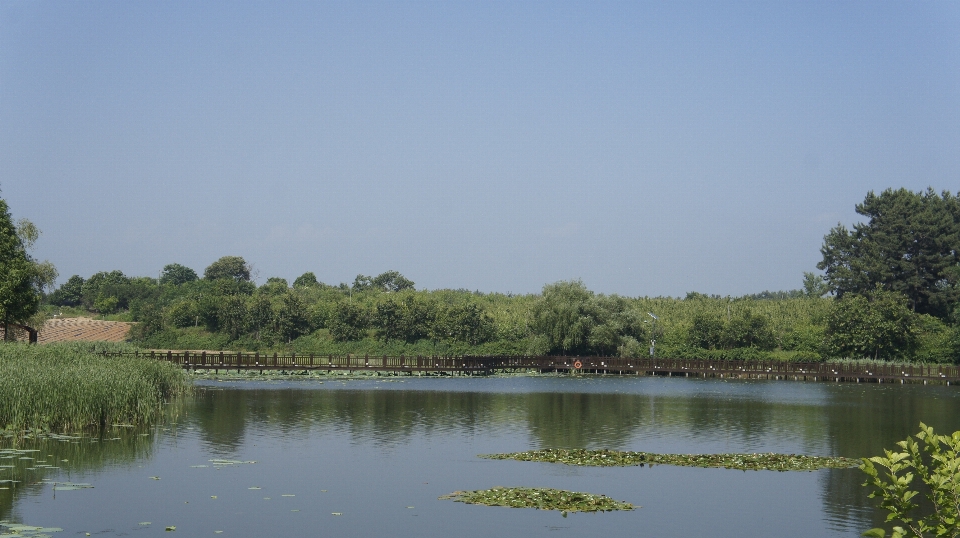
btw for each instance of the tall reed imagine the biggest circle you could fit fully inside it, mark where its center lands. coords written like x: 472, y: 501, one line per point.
x: 67, y: 387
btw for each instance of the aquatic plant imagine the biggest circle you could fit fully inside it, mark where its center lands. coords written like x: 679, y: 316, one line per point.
x: 616, y: 458
x: 26, y: 531
x: 540, y: 498
x: 68, y: 387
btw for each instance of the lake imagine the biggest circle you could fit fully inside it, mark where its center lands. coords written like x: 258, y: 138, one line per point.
x: 369, y: 457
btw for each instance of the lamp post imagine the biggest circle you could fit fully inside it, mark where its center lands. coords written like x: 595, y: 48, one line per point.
x: 653, y: 331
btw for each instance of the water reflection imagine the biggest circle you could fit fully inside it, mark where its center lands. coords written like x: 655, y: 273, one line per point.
x: 390, y: 436
x: 65, y: 458
x: 840, y: 420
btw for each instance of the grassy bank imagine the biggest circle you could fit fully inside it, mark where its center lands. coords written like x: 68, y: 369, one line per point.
x: 67, y: 387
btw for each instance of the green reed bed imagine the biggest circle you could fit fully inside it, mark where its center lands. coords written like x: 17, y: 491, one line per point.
x: 68, y: 387
x: 743, y: 462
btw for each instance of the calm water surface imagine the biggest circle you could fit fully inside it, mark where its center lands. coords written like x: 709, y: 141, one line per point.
x: 380, y: 452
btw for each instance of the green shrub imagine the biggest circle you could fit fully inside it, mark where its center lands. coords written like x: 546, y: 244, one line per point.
x: 937, y: 464
x: 183, y: 314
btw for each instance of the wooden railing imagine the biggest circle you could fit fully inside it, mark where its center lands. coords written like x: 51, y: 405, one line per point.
x: 817, y: 371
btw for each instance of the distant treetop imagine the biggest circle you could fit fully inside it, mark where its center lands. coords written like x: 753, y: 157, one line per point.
x: 228, y: 267
x: 176, y: 274
x: 387, y: 281
x: 305, y: 280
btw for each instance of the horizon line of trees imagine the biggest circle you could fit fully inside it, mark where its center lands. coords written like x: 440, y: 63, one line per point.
x: 891, y: 283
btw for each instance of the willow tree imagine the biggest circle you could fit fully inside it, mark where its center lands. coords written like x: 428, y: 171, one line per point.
x: 22, y: 279
x: 565, y: 315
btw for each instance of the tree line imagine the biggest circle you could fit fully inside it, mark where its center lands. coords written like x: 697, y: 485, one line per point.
x: 888, y: 290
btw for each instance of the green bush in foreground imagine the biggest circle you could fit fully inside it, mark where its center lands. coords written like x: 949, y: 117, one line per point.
x: 64, y: 387
x: 938, y: 466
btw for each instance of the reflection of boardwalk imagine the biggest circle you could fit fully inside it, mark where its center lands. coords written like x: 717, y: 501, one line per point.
x: 83, y: 329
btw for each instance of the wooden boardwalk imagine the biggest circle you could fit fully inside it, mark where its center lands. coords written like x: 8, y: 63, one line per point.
x: 810, y: 371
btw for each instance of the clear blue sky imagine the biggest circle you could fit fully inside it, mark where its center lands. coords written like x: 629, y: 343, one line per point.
x: 647, y: 148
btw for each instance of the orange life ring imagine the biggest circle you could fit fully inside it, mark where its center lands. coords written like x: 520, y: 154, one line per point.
x: 577, y: 364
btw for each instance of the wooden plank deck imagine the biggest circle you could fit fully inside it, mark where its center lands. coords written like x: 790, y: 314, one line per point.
x: 812, y: 371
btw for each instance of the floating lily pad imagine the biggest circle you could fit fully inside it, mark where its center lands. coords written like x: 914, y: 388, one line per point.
x: 22, y: 528
x: 27, y: 531
x: 744, y: 462
x: 541, y: 499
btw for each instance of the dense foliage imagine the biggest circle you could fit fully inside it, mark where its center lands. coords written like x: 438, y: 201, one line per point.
x: 566, y: 318
x: 22, y: 279
x: 895, y: 281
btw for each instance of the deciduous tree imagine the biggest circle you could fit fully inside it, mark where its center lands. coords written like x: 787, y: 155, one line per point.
x: 306, y: 280
x: 22, y: 280
x: 348, y: 322
x: 70, y: 293
x: 565, y: 316
x: 175, y: 274
x: 228, y: 267
x: 877, y: 325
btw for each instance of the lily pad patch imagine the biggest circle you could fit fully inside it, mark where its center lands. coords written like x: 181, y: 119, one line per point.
x: 540, y: 498
x: 743, y: 462
x: 25, y: 531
